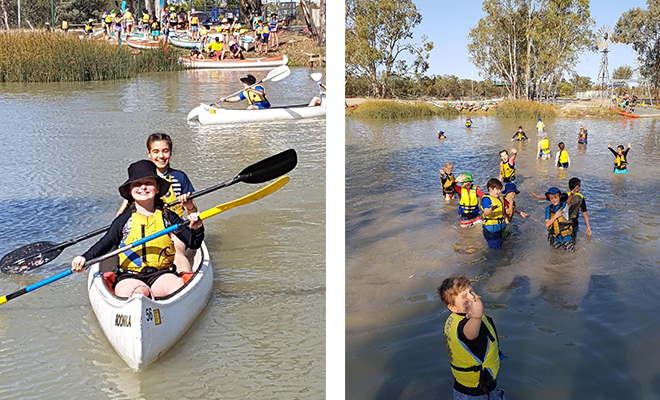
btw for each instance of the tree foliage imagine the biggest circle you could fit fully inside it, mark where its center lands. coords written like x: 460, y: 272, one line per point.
x: 641, y: 28
x: 377, y: 33
x: 530, y: 43
x: 622, y: 72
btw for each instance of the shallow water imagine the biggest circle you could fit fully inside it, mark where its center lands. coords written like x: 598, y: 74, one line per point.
x: 573, y: 325
x: 65, y: 150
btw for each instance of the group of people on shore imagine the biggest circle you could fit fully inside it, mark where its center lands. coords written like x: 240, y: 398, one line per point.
x: 471, y: 336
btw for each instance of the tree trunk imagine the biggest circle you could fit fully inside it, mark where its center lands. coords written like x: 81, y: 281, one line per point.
x: 4, y: 13
x: 248, y: 8
x: 308, y: 18
x: 321, y: 28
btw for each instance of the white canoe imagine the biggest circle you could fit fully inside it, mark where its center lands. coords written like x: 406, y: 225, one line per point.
x: 250, y: 63
x: 213, y: 115
x: 141, y: 329
x: 141, y: 43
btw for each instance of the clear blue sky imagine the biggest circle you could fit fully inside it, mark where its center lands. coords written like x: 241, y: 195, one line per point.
x: 447, y: 24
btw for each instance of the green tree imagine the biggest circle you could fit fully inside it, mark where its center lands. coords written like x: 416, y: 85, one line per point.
x: 376, y: 35
x: 641, y: 28
x: 581, y: 83
x: 623, y: 72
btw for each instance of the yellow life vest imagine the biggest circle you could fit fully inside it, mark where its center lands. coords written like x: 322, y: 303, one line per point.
x: 469, y: 201
x: 544, y: 144
x: 496, y: 217
x: 65, y: 25
x: 89, y: 28
x: 170, y: 197
x: 468, y: 123
x: 108, y: 18
x: 563, y: 157
x: 508, y: 172
x: 448, y: 186
x: 265, y: 30
x: 157, y: 253
x: 173, y: 17
x: 540, y: 125
x: 155, y: 26
x: 194, y: 20
x: 620, y: 162
x: 254, y: 96
x: 465, y: 366
x: 145, y: 18
x: 128, y: 16
x: 214, y: 46
x: 203, y: 31
x: 561, y: 227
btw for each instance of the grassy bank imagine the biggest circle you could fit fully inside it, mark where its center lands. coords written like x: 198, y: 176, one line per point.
x: 297, y: 46
x: 384, y: 109
x: 40, y: 57
x: 525, y: 109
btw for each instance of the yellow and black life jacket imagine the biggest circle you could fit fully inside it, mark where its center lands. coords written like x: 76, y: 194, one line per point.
x: 563, y: 157
x: 496, y: 217
x: 508, y: 172
x: 145, y: 18
x: 128, y: 16
x: 265, y: 30
x: 561, y: 227
x: 157, y: 253
x: 469, y: 201
x: 448, y: 185
x: 255, y: 96
x: 468, y: 369
x: 170, y: 197
x: 88, y: 28
x: 194, y: 20
x: 620, y: 162
x: 65, y: 25
x: 108, y: 19
x: 155, y: 26
x: 545, y: 147
x: 468, y: 123
x: 173, y: 17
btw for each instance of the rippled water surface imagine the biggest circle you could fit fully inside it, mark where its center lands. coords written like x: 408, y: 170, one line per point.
x: 65, y: 150
x: 579, y: 325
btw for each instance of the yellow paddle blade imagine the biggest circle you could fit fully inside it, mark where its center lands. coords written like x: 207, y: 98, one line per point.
x: 259, y: 194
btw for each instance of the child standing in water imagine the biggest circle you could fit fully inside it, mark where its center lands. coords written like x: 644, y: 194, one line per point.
x: 582, y: 136
x: 543, y: 150
x: 510, y: 192
x: 448, y: 182
x: 560, y: 229
x: 472, y: 342
x: 468, y: 206
x: 508, y: 166
x: 519, y: 135
x: 494, y: 219
x: 540, y: 126
x: 621, y: 161
x: 562, y: 160
x: 468, y: 122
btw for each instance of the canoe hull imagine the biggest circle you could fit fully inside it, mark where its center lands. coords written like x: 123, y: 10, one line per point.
x: 141, y: 329
x: 624, y: 113
x: 236, y: 64
x: 142, y: 43
x: 212, y: 115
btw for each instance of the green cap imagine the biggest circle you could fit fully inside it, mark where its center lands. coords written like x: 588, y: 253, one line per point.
x: 466, y: 177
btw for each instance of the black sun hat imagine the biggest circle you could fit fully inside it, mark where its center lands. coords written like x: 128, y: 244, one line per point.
x: 140, y: 170
x: 249, y: 79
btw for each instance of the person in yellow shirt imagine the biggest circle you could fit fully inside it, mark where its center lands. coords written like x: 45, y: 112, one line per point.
x: 65, y: 26
x: 215, y: 49
x: 128, y: 18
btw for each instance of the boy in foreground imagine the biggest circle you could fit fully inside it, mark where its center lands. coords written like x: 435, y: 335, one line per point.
x: 472, y: 343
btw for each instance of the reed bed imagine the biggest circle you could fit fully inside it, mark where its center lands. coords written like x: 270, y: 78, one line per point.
x: 29, y: 56
x: 383, y: 109
x: 524, y: 109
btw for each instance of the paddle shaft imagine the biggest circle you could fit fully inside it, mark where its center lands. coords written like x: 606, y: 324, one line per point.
x: 259, y: 172
x: 259, y: 194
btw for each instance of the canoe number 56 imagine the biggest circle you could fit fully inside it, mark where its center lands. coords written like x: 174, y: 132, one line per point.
x: 153, y: 315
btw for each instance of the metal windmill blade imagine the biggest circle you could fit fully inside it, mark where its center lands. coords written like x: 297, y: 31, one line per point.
x: 604, y: 36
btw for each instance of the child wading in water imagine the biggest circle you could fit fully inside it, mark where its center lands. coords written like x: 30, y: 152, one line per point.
x: 578, y: 203
x: 582, y: 136
x: 562, y: 160
x: 150, y: 268
x: 448, y: 182
x: 621, y: 161
x: 543, y: 150
x: 159, y: 151
x: 473, y: 346
x: 560, y: 229
x: 520, y: 135
x: 540, y: 126
x: 508, y: 166
x: 494, y: 219
x: 468, y: 206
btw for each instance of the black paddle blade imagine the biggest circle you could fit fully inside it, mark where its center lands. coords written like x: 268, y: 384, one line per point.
x: 28, y: 257
x: 270, y: 168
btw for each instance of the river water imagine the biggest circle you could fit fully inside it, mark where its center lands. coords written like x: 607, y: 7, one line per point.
x: 65, y: 150
x: 579, y: 325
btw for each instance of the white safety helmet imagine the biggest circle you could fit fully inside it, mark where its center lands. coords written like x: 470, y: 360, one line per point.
x: 231, y: 43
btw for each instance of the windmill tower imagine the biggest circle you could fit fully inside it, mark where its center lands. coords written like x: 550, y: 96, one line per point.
x: 604, y: 39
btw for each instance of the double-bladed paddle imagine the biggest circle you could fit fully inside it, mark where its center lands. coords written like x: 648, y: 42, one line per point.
x: 34, y: 255
x: 274, y: 75
x: 259, y: 194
